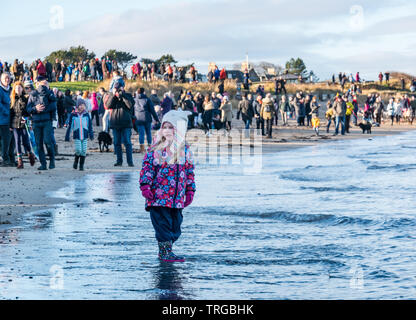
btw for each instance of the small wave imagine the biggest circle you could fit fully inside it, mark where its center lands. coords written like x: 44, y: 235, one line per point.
x: 398, y: 223
x: 397, y: 167
x: 378, y: 153
x: 301, y: 177
x: 382, y: 274
x: 327, y: 219
x: 334, y: 189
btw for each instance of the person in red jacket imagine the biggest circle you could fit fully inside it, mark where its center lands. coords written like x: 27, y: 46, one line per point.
x: 167, y: 181
x: 223, y: 74
x: 41, y: 68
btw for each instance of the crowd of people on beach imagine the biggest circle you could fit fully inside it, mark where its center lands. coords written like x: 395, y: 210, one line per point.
x: 29, y: 116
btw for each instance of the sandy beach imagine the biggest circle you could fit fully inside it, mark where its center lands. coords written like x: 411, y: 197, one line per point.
x: 26, y: 190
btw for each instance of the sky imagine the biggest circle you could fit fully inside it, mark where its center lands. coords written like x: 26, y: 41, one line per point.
x: 330, y: 36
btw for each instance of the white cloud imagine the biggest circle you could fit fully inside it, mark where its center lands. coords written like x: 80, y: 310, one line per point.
x: 223, y: 31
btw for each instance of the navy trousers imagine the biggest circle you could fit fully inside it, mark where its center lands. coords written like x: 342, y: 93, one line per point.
x: 167, y: 223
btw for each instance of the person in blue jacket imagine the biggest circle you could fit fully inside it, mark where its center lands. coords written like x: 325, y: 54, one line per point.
x: 81, y: 125
x: 5, y: 133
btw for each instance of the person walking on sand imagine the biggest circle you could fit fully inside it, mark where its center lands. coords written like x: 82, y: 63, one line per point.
x: 226, y: 113
x: 315, y: 115
x: 18, y: 113
x: 81, y: 124
x: 284, y: 108
x: 167, y: 182
x: 391, y: 110
x: 339, y: 111
x: 257, y: 105
x: 267, y: 113
x: 329, y: 115
x: 245, y: 108
x: 413, y: 109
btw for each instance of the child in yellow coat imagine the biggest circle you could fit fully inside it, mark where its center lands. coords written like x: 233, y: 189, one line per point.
x: 315, y: 115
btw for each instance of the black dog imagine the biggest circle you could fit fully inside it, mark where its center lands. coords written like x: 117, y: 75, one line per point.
x: 365, y: 127
x: 105, y: 140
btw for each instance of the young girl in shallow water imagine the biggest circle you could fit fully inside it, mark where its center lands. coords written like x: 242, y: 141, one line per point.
x: 167, y: 181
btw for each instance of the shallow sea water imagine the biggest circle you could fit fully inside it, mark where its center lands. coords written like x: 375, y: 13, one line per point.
x: 333, y: 221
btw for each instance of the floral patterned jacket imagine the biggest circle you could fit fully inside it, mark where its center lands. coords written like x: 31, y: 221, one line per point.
x: 168, y: 183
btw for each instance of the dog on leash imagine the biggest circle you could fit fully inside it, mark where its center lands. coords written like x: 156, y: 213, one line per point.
x: 104, y: 140
x: 365, y: 127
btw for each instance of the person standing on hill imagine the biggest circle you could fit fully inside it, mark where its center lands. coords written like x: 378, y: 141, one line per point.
x: 387, y: 76
x: 380, y: 78
x: 41, y: 68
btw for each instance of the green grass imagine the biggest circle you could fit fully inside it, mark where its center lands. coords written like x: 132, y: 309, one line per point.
x: 74, y: 86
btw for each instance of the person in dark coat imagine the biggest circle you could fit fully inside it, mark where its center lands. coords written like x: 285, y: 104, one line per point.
x: 121, y: 105
x: 18, y: 113
x: 143, y: 112
x: 167, y: 104
x: 68, y: 105
x: 42, y: 107
x: 245, y: 108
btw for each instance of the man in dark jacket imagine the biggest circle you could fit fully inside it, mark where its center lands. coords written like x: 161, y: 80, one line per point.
x: 121, y: 105
x: 42, y: 107
x: 57, y: 69
x: 155, y: 99
x: 245, y: 108
x: 340, y: 108
x: 143, y: 112
x: 49, y: 70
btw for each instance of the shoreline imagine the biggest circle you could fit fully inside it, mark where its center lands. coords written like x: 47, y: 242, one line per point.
x: 27, y: 190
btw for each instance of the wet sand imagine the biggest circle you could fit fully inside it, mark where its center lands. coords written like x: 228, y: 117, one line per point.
x: 27, y: 190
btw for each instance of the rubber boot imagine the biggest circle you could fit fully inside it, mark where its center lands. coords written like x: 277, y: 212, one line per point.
x: 75, y: 166
x: 32, y: 159
x: 19, y: 161
x: 81, y: 163
x: 166, y: 254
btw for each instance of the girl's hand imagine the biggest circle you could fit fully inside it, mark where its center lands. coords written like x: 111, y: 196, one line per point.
x: 146, y: 192
x: 189, y: 198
